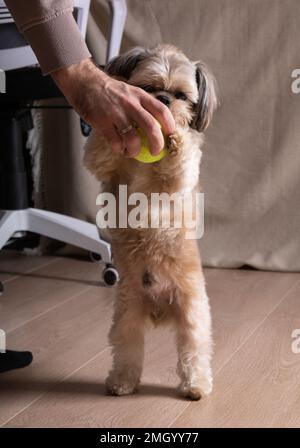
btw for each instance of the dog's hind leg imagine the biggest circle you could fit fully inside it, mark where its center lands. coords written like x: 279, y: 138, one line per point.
x: 194, y: 344
x: 127, y: 340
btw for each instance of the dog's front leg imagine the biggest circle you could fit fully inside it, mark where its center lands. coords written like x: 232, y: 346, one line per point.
x: 194, y: 344
x: 127, y: 340
x: 100, y: 160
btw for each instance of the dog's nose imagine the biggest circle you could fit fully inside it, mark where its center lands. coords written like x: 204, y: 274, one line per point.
x: 164, y: 99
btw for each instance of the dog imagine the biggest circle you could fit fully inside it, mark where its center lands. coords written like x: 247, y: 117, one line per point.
x: 161, y: 277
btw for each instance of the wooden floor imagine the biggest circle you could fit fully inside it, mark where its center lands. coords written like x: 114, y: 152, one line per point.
x: 55, y: 307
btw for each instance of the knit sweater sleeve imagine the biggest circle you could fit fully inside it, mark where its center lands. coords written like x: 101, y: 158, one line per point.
x: 51, y: 30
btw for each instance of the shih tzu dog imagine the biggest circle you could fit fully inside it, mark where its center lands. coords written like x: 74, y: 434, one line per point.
x: 161, y: 278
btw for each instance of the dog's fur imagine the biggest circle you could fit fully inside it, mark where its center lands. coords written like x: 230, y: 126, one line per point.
x: 160, y: 270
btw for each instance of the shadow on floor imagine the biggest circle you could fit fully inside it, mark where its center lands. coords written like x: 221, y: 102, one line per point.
x: 74, y: 387
x: 55, y: 277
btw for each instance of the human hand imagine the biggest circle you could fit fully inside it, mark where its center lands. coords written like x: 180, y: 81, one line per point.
x: 110, y: 106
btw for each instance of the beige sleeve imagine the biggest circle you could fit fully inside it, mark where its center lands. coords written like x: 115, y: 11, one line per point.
x: 51, y: 30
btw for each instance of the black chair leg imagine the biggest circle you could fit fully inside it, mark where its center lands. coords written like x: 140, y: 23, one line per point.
x: 11, y: 360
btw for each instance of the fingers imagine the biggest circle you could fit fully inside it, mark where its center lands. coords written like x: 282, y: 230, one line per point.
x: 128, y: 144
x: 160, y: 112
x: 114, y: 139
x: 130, y: 140
x: 132, y: 143
x: 152, y: 129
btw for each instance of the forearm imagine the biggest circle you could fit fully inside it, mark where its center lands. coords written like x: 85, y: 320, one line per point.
x: 51, y: 30
x: 80, y: 73
x: 79, y: 82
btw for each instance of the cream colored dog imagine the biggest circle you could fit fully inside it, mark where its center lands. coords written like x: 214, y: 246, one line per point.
x: 160, y: 269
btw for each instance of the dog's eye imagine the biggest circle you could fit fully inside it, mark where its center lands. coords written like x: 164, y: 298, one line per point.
x: 148, y: 89
x: 180, y: 96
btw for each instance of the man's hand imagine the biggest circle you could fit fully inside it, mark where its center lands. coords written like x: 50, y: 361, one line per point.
x: 109, y: 106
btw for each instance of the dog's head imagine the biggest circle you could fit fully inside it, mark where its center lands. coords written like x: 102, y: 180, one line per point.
x: 186, y: 87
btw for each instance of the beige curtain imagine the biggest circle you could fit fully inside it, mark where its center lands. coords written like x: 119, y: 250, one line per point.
x: 251, y: 161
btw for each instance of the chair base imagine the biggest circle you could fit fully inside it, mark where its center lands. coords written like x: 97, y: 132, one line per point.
x: 53, y: 225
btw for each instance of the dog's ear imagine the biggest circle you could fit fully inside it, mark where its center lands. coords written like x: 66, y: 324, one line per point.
x: 122, y: 66
x: 207, y: 98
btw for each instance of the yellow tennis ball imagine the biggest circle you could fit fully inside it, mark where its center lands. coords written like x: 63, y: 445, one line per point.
x: 145, y: 155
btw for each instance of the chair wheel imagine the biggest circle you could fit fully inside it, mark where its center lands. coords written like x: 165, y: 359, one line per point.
x: 95, y: 257
x: 110, y: 275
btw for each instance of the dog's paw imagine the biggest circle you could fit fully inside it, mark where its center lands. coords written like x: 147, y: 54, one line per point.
x: 196, y: 392
x: 118, y: 384
x: 175, y: 143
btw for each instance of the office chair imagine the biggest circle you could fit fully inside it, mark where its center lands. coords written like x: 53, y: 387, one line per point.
x: 24, y: 82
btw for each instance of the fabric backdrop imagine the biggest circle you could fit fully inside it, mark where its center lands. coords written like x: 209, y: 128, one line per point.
x: 251, y: 159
